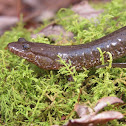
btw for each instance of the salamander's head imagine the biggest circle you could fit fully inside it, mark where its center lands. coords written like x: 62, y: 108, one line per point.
x: 21, y: 48
x: 36, y: 53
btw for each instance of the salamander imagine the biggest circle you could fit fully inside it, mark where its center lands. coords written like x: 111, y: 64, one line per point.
x: 84, y: 55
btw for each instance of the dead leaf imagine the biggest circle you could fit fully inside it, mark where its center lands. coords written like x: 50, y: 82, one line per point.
x: 85, y: 10
x: 54, y: 32
x: 106, y: 101
x: 82, y: 110
x: 93, y: 120
x: 47, y: 8
x: 106, y: 116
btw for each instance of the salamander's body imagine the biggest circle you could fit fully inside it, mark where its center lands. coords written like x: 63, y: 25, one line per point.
x: 85, y: 55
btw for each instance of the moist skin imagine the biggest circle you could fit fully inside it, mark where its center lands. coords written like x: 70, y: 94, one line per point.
x: 85, y: 55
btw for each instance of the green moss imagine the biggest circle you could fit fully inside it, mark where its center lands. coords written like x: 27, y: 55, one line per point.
x: 29, y: 95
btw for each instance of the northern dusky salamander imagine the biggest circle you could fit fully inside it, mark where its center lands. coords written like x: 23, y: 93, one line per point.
x: 84, y: 55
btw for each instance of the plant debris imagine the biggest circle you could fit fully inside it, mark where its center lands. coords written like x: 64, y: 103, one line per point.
x: 89, y: 117
x: 83, y: 9
x: 55, y: 32
x: 93, y: 120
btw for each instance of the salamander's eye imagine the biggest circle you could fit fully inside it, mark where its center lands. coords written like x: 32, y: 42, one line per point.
x: 21, y: 40
x: 25, y: 46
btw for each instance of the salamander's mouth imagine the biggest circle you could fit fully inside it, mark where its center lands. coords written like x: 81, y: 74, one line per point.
x: 14, y: 48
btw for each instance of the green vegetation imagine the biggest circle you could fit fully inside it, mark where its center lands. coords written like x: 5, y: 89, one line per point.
x: 29, y: 95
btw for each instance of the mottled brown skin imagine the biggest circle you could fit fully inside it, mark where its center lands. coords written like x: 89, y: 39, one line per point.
x: 85, y: 55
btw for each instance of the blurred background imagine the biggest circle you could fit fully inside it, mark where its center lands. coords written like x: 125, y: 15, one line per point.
x: 35, y: 11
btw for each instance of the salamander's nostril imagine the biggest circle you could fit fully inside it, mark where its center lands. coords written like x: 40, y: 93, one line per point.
x: 9, y: 46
